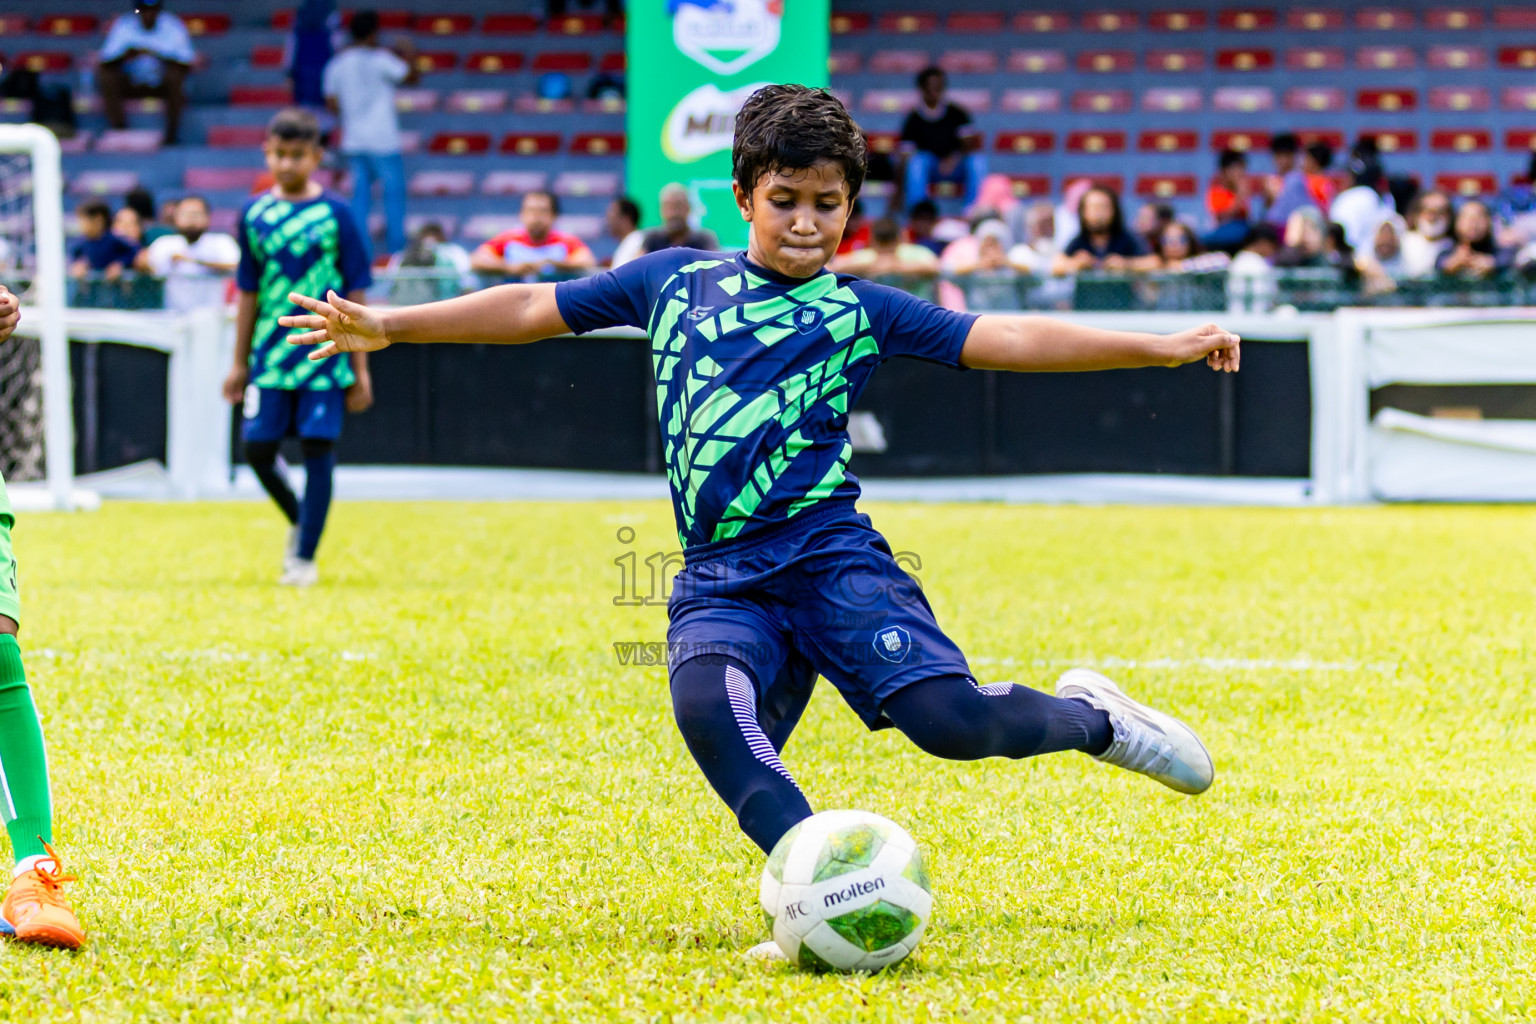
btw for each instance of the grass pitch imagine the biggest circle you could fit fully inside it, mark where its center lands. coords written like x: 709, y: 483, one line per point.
x: 426, y: 790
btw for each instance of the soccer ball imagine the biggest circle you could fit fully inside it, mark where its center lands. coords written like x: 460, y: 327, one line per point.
x: 846, y: 891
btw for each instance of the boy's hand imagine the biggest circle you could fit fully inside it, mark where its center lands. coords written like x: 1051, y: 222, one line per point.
x: 234, y: 385
x: 10, y: 312
x: 336, y: 325
x: 360, y: 394
x: 1219, y: 348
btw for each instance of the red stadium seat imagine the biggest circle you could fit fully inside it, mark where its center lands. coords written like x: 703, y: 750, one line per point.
x: 1031, y: 101
x: 844, y: 62
x: 848, y: 24
x: 576, y: 25
x: 883, y: 142
x: 563, y: 60
x: 493, y: 62
x: 389, y: 21
x: 530, y: 143
x: 1110, y: 21
x: 1385, y: 58
x: 888, y: 101
x: 1114, y: 182
x: 441, y: 183
x: 430, y: 61
x: 1030, y: 186
x: 1459, y: 97
x: 614, y: 62
x: 1247, y: 19
x: 12, y: 24
x: 1183, y: 20
x: 266, y: 56
x: 1037, y: 62
x: 236, y: 136
x: 598, y: 144
x: 1314, y: 58
x: 910, y: 23
x: 1467, y: 183
x: 1460, y: 140
x: 42, y: 61
x: 1384, y: 19
x: 1386, y: 99
x: 1242, y: 140
x: 444, y: 24
x: 460, y: 143
x: 68, y: 25
x: 1180, y: 140
x: 969, y: 62
x: 604, y: 105
x: 509, y: 24
x: 260, y: 96
x: 1101, y: 101
x: 283, y: 19
x: 1245, y: 58
x: 1523, y: 139
x: 1106, y: 61
x: 1523, y: 16
x: 1521, y: 57
x: 1332, y: 136
x: 1393, y: 140
x: 1314, y: 19
x: 990, y: 22
x: 1454, y: 17
x: 206, y: 24
x: 1456, y: 58
x: 477, y: 101
x: 1172, y: 101
x: 586, y: 183
x: 1165, y: 186
x: 1518, y: 97
x: 1175, y: 61
x: 512, y: 183
x: 1025, y: 142
x: 530, y: 104
x: 416, y: 101
x: 1243, y: 98
x: 1042, y: 21
x: 1314, y: 99
x: 221, y: 179
x: 899, y: 62
x: 1096, y: 142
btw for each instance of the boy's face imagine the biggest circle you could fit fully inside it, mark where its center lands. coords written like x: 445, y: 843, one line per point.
x: 92, y: 225
x: 797, y: 217
x: 292, y: 163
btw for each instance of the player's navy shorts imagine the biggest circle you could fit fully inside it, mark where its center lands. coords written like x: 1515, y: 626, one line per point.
x: 271, y: 415
x: 821, y: 595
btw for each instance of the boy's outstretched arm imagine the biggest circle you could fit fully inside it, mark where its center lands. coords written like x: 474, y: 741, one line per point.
x: 1042, y: 345
x: 509, y: 314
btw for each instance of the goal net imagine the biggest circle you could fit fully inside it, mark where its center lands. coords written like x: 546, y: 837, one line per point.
x: 36, y: 435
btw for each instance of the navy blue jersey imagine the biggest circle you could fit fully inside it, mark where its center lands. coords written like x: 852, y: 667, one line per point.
x: 755, y: 374
x: 306, y: 247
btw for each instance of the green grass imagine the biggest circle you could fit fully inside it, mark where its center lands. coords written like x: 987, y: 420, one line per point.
x: 425, y: 790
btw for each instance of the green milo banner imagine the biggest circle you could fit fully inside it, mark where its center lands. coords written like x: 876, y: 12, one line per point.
x: 692, y: 63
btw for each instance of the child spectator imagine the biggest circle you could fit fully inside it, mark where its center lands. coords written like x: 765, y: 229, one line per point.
x: 1227, y: 200
x: 1473, y: 252
x: 1251, y: 277
x: 98, y: 251
x: 127, y: 225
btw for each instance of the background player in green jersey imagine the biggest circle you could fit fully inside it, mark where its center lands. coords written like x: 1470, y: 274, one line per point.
x: 297, y: 236
x: 34, y: 909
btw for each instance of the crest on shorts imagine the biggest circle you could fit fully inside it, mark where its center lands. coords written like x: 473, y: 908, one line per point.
x: 892, y: 643
x: 807, y: 319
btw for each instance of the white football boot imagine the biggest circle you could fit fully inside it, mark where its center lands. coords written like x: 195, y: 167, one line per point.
x: 300, y: 573
x: 767, y: 952
x: 1146, y: 741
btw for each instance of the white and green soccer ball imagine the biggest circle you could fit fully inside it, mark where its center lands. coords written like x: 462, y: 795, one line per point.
x: 846, y: 891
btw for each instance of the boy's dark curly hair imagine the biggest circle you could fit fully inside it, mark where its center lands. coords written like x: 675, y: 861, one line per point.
x: 790, y: 128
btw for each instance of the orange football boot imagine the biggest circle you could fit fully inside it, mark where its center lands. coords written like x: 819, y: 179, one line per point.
x: 35, y: 909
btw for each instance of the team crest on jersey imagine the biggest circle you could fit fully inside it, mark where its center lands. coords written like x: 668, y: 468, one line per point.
x: 807, y: 319
x: 892, y: 643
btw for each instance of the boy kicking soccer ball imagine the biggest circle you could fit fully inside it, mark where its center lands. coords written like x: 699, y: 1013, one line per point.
x: 298, y: 236
x: 34, y: 909
x: 758, y: 357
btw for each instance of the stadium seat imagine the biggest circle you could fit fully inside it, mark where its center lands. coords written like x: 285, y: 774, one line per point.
x: 848, y: 24
x: 598, y: 143
x: 44, y: 61
x: 1106, y: 61
x: 1163, y: 140
x: 1172, y: 101
x: 1393, y: 140
x: 12, y: 24
x: 1243, y: 98
x: 129, y: 140
x: 493, y: 62
x: 1246, y: 19
x: 476, y: 101
x: 910, y: 23
x: 1243, y: 140
x: 1314, y: 19
x: 989, y: 22
x: 883, y: 142
x: 1096, y: 142
x: 204, y: 24
x: 443, y: 24
x: 844, y: 62
x: 1245, y: 58
x: 441, y: 183
x: 563, y: 60
x: 1183, y: 20
x: 416, y: 101
x: 236, y: 136
x: 1101, y: 101
x: 614, y: 62
x: 604, y: 105
x: 1030, y: 186
x: 1386, y: 99
x: 1114, y: 182
x: 530, y: 143
x: 488, y: 225
x: 1460, y: 140
x: 1025, y: 142
x: 221, y: 179
x: 509, y: 24
x: 80, y: 142
x: 460, y: 143
x: 1314, y: 99
x: 1520, y: 57
x: 888, y: 101
x: 1442, y: 18
x: 1042, y: 22
x: 1515, y: 17
x: 513, y: 183
x: 1110, y: 21
x: 266, y: 56
x: 1522, y: 139
x: 1456, y: 58
x: 68, y: 25
x: 1031, y: 101
x: 576, y: 25
x: 260, y: 96
x: 586, y: 183
x: 1036, y: 62
x: 1518, y: 97
x: 1468, y: 183
x: 1175, y: 61
x: 102, y: 183
x: 1331, y: 136
x: 431, y: 61
x: 1314, y: 58
x: 969, y: 62
x: 898, y: 62
x: 977, y: 101
x: 1384, y: 19
x: 1385, y: 58
x: 1459, y: 97
x: 1165, y: 186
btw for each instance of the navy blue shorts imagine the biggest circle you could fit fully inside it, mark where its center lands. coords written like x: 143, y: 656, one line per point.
x: 271, y: 415
x: 821, y: 595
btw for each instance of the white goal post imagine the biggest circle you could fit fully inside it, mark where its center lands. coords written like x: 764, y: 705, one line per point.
x: 32, y: 265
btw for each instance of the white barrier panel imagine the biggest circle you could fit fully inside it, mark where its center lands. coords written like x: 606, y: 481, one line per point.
x: 1419, y: 458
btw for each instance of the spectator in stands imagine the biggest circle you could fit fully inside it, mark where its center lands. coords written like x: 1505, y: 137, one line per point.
x: 1306, y: 237
x: 888, y: 256
x: 989, y: 280
x: 537, y: 249
x: 447, y: 267
x: 1177, y: 250
x: 1515, y: 210
x: 143, y: 201
x: 1067, y: 225
x: 922, y: 218
x: 997, y: 199
x: 1102, y: 243
x: 147, y: 54
x: 359, y: 88
x: 129, y: 226
x: 624, y: 225
x: 1149, y: 222
x: 676, y: 229
x: 1429, y: 229
x: 1360, y: 207
x: 1037, y: 251
x: 939, y: 142
x: 1251, y: 277
x: 1473, y: 252
x: 98, y: 251
x: 1286, y: 189
x: 194, y: 261
x: 1227, y: 200
x: 1381, y: 262
x: 1316, y: 159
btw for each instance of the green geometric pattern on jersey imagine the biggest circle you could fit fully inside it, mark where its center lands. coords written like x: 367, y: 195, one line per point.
x: 293, y: 237
x: 694, y: 440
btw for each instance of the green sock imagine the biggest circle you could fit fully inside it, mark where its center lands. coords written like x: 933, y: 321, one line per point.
x: 25, y: 802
